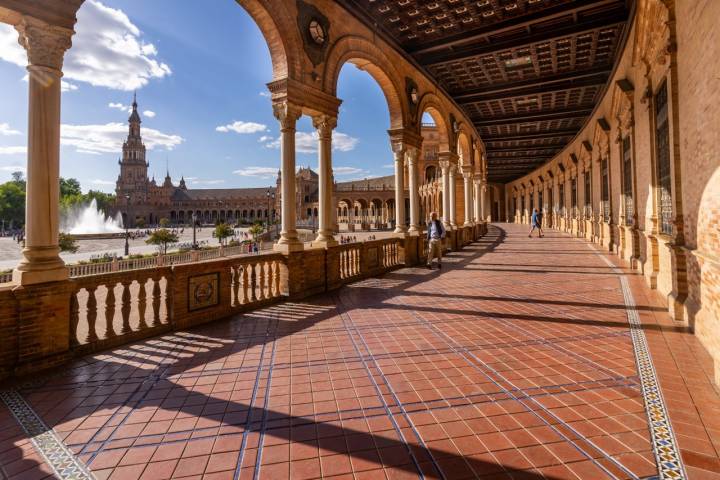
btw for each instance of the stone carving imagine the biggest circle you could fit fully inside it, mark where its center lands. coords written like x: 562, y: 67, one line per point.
x: 45, y: 44
x: 287, y: 114
x: 314, y: 30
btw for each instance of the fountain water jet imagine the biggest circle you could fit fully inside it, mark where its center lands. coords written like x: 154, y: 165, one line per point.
x: 90, y: 220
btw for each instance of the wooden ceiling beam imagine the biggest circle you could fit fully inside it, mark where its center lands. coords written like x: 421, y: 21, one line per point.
x: 537, y: 86
x: 569, y: 113
x: 522, y: 21
x: 530, y: 136
x: 616, y: 17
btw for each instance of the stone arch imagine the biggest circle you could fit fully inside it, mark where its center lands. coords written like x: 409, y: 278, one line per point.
x: 279, y: 29
x: 463, y: 148
x: 365, y: 55
x: 431, y: 104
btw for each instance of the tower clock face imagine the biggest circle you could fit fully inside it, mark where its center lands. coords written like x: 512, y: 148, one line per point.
x: 317, y: 32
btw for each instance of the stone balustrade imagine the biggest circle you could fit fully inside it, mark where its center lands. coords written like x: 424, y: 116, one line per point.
x: 45, y: 325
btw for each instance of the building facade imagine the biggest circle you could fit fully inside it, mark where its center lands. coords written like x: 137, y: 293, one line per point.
x: 367, y: 203
x: 141, y: 200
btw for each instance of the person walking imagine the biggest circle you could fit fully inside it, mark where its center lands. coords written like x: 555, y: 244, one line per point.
x: 534, y: 222
x: 539, y: 222
x: 435, y: 236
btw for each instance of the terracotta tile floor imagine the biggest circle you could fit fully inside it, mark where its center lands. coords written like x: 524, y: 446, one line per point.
x: 513, y: 361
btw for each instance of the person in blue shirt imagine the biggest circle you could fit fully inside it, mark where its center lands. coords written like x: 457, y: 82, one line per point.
x: 435, y: 236
x: 536, y: 222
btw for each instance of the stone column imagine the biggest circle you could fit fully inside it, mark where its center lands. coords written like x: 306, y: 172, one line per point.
x: 399, y: 153
x: 414, y: 190
x: 287, y: 114
x: 467, y: 188
x: 445, y: 169
x: 478, y: 199
x: 453, y: 202
x: 324, y: 124
x: 45, y: 46
x: 487, y: 216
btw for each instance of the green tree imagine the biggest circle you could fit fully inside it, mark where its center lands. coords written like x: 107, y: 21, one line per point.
x: 256, y: 230
x: 19, y: 178
x: 104, y: 200
x: 164, y: 222
x: 69, y: 186
x: 222, y: 232
x: 12, y: 203
x: 162, y: 237
x: 140, y: 222
x: 67, y: 243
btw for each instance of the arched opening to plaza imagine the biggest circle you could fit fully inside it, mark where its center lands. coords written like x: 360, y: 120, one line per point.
x: 572, y: 331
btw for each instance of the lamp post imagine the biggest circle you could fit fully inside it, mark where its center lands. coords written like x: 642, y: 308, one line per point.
x: 267, y: 217
x: 194, y: 220
x: 127, y: 224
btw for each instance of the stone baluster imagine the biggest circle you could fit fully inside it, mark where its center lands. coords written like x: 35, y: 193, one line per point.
x: 156, y: 300
x: 142, y: 304
x: 125, y: 307
x: 253, y: 283
x: 91, y: 312
x: 110, y: 312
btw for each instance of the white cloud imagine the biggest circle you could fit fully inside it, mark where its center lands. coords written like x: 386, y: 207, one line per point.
x: 98, y: 181
x: 13, y: 168
x: 194, y: 181
x: 348, y: 170
x: 13, y: 150
x: 120, y: 106
x: 265, y: 94
x: 307, y: 142
x: 6, y: 130
x: 261, y: 172
x: 388, y: 165
x: 149, y: 113
x: 108, y: 50
x: 242, y: 127
x: 108, y: 138
x: 265, y: 138
x: 67, y: 86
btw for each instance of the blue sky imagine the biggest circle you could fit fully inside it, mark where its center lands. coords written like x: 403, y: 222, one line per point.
x: 200, y: 80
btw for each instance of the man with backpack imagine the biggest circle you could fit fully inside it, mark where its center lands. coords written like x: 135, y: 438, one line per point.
x: 435, y: 236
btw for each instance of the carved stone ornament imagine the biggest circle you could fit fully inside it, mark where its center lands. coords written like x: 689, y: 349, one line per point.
x: 287, y: 114
x: 324, y: 124
x: 413, y: 96
x: 622, y: 109
x: 653, y: 42
x: 314, y: 31
x: 601, y: 140
x: 45, y: 44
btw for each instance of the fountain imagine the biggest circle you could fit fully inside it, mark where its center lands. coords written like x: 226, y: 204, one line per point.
x: 89, y: 221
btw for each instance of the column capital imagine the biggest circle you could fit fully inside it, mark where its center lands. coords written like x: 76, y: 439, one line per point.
x: 411, y: 154
x: 444, y: 165
x: 287, y: 114
x: 448, y: 157
x: 45, y: 44
x: 324, y: 124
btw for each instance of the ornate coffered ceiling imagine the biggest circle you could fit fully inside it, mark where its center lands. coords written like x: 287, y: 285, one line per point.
x: 527, y: 72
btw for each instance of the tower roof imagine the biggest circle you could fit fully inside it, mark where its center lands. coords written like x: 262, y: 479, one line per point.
x: 134, y: 116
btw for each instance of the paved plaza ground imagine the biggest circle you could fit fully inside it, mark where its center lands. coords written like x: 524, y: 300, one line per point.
x: 521, y: 358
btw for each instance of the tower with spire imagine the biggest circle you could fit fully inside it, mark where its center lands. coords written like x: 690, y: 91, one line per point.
x: 133, y: 178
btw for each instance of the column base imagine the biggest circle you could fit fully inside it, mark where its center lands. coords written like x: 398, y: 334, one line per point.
x: 401, y: 230
x: 288, y: 247
x: 40, y: 265
x: 324, y: 243
x: 414, y: 230
x: 35, y: 276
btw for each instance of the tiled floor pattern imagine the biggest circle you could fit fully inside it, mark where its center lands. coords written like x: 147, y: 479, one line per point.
x: 514, y: 361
